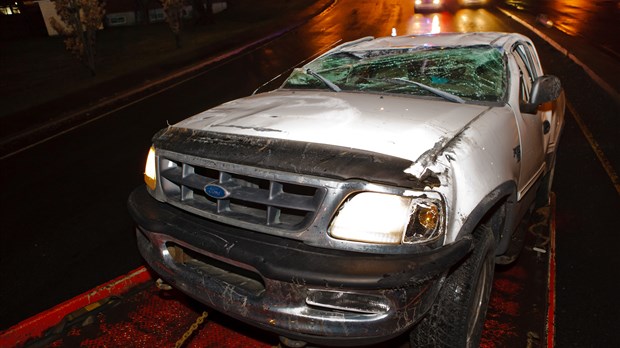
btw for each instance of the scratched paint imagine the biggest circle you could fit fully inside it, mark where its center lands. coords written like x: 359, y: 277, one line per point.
x: 147, y: 317
x: 390, y: 125
x: 153, y: 318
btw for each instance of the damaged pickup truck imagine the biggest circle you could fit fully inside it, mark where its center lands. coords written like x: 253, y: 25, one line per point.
x: 370, y: 195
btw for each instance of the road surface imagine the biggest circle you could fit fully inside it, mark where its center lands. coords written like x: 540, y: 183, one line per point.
x: 65, y: 228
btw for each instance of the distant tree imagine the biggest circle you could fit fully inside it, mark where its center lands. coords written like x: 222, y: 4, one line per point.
x: 142, y: 12
x: 174, y: 13
x: 203, y: 10
x: 80, y: 21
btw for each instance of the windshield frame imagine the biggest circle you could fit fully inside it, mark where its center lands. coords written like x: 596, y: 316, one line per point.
x: 344, y: 62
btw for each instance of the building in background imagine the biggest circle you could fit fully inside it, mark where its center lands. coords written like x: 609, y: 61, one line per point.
x: 19, y: 18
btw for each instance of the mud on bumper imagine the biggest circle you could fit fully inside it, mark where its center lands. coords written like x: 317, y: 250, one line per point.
x: 312, y: 294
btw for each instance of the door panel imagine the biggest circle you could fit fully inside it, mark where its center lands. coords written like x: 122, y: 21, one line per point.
x: 531, y: 135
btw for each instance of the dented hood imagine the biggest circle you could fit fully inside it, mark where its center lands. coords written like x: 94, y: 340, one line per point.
x: 404, y: 127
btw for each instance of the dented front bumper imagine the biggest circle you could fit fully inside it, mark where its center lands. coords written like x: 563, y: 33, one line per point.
x: 311, y: 294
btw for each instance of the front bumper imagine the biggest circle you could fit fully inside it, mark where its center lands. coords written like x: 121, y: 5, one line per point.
x: 312, y: 294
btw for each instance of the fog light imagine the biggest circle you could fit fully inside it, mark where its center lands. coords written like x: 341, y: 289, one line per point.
x: 346, y: 301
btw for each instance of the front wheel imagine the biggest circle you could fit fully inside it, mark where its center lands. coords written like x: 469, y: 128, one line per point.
x: 457, y: 317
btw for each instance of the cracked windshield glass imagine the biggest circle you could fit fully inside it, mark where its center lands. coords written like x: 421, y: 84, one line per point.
x: 457, y: 73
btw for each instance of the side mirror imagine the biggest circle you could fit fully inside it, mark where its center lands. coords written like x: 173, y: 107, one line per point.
x: 545, y: 88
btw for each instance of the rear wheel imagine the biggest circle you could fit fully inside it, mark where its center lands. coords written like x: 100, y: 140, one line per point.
x: 457, y: 317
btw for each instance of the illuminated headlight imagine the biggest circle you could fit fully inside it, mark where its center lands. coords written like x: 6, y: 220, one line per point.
x: 436, y: 2
x: 388, y: 219
x: 150, y: 171
x: 418, y: 2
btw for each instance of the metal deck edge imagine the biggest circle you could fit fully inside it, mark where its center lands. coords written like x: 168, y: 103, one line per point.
x: 35, y: 326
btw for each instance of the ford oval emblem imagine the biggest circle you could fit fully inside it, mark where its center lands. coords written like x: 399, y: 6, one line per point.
x: 216, y: 191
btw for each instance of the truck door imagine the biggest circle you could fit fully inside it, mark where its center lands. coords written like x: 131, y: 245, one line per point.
x: 531, y: 153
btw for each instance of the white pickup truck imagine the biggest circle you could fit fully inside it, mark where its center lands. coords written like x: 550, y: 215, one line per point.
x: 370, y: 195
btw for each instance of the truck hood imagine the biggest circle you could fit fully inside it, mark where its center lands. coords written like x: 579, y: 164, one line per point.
x: 404, y: 127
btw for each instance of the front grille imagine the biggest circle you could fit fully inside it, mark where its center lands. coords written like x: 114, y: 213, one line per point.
x: 254, y: 196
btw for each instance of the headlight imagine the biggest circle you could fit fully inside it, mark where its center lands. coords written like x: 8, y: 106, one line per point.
x: 150, y: 171
x: 387, y: 219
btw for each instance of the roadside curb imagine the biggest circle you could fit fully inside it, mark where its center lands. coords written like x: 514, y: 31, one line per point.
x: 608, y: 88
x: 596, y: 62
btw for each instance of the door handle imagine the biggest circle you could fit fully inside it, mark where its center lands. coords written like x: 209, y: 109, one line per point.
x: 546, y: 127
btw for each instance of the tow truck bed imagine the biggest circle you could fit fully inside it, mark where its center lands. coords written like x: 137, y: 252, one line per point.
x: 132, y: 311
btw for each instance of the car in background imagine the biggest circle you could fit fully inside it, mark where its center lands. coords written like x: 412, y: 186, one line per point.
x: 473, y: 3
x: 428, y: 5
x: 370, y: 195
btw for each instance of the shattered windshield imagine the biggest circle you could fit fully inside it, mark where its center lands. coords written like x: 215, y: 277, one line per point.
x: 472, y: 73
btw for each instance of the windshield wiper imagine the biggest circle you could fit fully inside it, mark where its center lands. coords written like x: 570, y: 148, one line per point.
x: 446, y: 95
x: 327, y: 82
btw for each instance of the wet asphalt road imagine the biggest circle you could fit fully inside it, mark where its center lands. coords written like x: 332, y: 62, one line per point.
x: 593, y: 20
x: 64, y: 223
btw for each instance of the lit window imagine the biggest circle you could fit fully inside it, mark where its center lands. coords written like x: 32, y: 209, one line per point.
x: 8, y: 10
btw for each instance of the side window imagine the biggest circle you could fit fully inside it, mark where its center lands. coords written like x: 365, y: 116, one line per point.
x: 526, y: 72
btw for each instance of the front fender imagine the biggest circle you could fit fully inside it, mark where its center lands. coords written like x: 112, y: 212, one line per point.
x: 478, y: 170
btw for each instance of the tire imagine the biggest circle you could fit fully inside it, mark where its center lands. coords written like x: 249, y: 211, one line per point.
x: 457, y: 317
